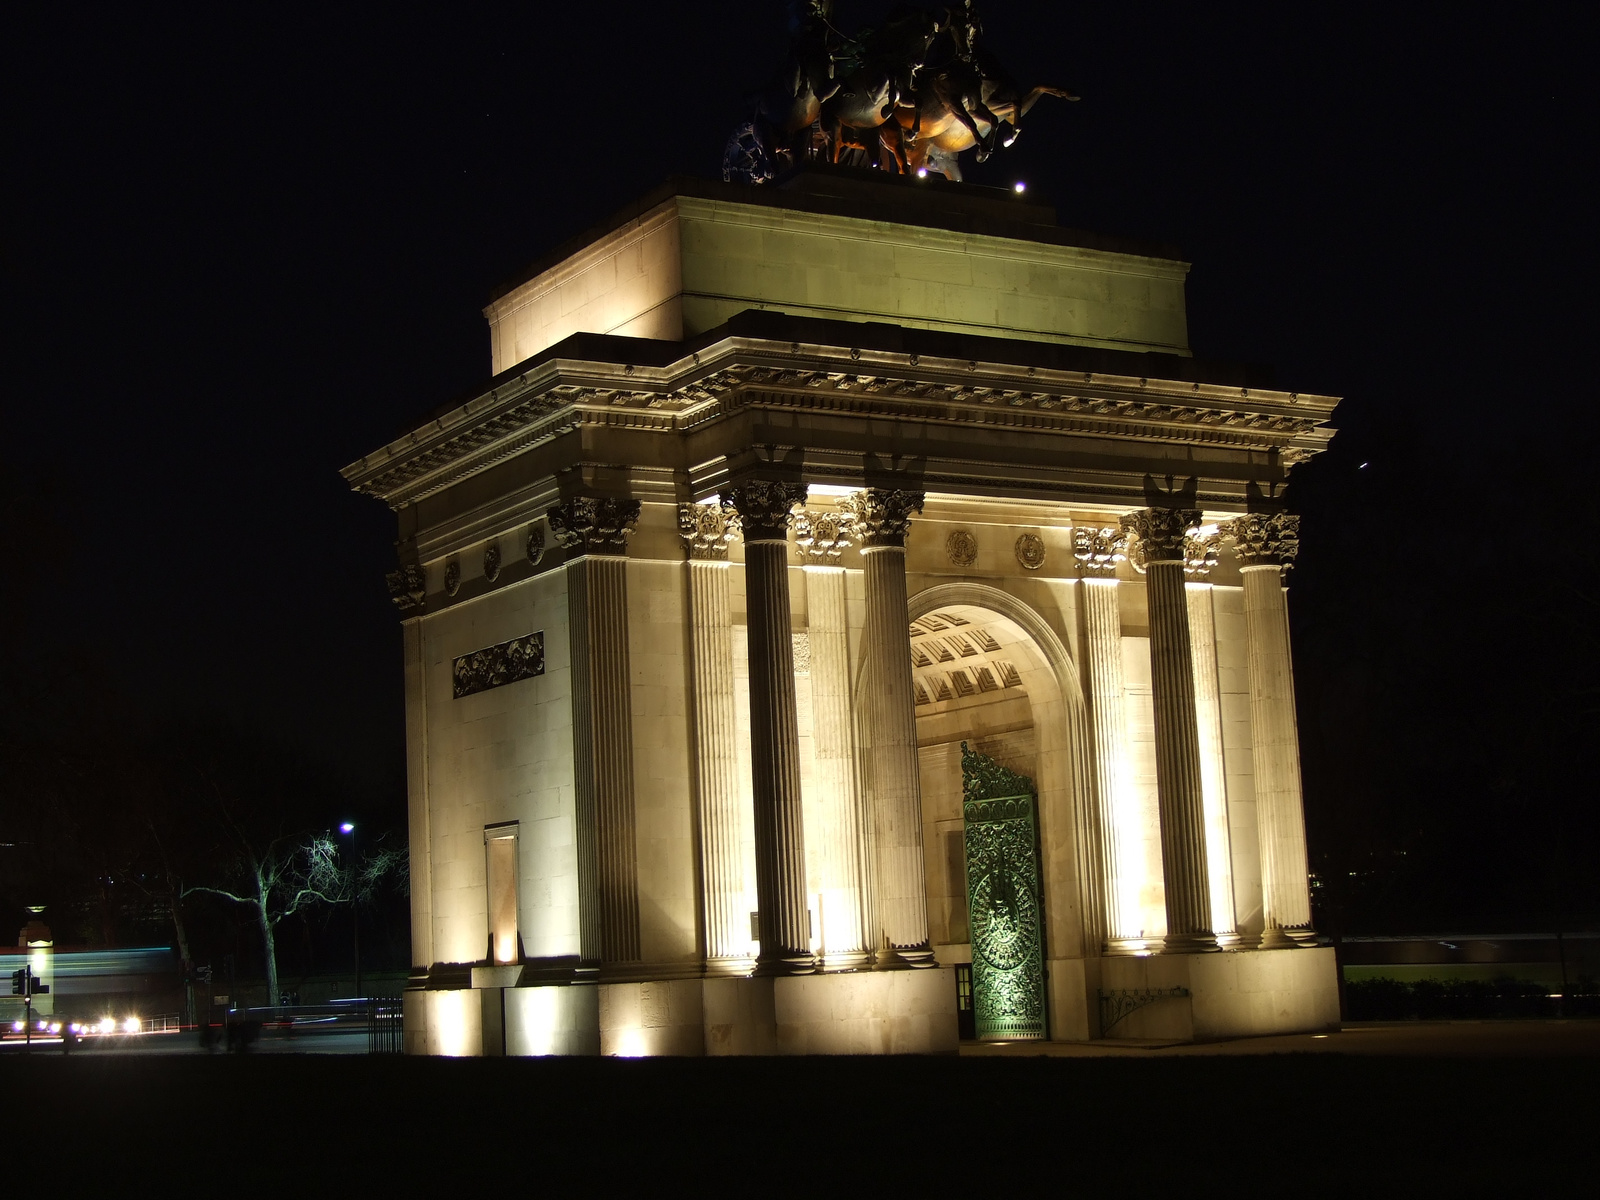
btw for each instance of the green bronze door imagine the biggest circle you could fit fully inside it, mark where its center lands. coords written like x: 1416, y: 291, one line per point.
x: 1003, y: 900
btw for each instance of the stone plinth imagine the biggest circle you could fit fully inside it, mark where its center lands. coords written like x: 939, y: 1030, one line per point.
x: 1246, y: 993
x: 853, y: 1012
x: 553, y: 1020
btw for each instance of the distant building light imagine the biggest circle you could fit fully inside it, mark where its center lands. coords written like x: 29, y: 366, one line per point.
x: 1019, y: 187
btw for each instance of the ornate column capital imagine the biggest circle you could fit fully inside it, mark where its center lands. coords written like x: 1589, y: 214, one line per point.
x: 706, y: 530
x: 765, y: 509
x: 1200, y: 555
x: 1161, y: 531
x: 591, y: 525
x: 822, y: 536
x: 408, y: 587
x: 1265, y: 539
x: 1098, y: 551
x: 883, y: 515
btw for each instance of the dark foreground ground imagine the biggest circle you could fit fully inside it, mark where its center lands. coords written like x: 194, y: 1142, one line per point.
x: 1503, y: 1113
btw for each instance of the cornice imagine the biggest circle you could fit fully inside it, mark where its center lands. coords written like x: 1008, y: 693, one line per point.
x: 561, y: 396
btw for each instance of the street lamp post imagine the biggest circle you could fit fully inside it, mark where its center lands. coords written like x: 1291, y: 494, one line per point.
x: 349, y: 830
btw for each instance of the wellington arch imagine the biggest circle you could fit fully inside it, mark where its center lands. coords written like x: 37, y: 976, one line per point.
x: 851, y: 619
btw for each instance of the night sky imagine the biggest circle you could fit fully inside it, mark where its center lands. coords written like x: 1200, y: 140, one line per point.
x: 244, y: 245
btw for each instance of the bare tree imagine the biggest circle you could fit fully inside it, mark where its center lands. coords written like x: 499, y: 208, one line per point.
x: 283, y: 878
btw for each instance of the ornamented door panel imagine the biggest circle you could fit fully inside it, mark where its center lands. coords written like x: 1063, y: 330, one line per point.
x: 1003, y: 899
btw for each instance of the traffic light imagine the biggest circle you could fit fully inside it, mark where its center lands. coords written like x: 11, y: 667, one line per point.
x: 19, y: 982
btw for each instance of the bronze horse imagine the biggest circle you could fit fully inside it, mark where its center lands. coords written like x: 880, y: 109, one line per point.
x: 922, y: 86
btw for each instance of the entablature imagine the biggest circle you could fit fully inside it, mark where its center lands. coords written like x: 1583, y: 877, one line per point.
x: 850, y: 378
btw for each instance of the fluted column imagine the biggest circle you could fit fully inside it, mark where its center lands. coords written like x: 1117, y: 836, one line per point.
x: 595, y: 534
x: 1267, y: 545
x: 883, y: 518
x: 765, y: 513
x: 1115, y: 903
x: 1200, y: 556
x: 706, y: 530
x: 835, y: 843
x: 1179, y: 790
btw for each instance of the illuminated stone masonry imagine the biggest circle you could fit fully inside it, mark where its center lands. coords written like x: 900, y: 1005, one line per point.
x: 788, y: 538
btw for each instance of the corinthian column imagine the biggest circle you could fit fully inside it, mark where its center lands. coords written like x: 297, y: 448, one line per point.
x: 1266, y: 545
x: 883, y: 519
x: 595, y: 534
x: 764, y: 513
x: 834, y: 841
x: 1200, y: 556
x: 1179, y: 791
x: 706, y: 530
x: 1098, y: 552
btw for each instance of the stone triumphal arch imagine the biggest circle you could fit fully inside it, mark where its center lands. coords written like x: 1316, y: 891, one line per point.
x: 850, y: 617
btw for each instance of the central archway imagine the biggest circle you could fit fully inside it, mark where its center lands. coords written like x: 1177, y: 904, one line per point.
x: 1001, y: 645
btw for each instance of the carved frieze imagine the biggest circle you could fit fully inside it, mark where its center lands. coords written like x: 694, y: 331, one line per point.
x: 1218, y: 414
x: 1265, y: 539
x: 1030, y: 551
x: 765, y: 509
x: 491, y: 561
x: 407, y: 587
x: 1098, y: 551
x: 822, y: 536
x: 592, y: 525
x: 961, y: 548
x: 496, y: 666
x: 883, y: 515
x: 706, y: 530
x: 1161, y: 531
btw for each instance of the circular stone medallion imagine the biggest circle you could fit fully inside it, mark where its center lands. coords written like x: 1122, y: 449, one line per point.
x: 1030, y: 551
x: 452, y: 577
x: 962, y: 548
x: 535, y: 543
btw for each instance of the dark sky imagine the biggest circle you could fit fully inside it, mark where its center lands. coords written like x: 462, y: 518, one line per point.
x: 245, y: 244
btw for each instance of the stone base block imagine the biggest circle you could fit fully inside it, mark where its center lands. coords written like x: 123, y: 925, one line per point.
x: 663, y: 1017
x: 865, y: 1012
x: 1244, y: 993
x: 741, y: 1016
x: 553, y: 1020
x: 446, y: 1023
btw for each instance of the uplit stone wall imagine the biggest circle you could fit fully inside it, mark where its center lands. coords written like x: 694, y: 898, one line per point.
x: 690, y: 263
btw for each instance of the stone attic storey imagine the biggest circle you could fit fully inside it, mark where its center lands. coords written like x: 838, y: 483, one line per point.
x: 848, y: 620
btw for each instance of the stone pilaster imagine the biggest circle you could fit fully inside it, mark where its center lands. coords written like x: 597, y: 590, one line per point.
x: 1179, y: 788
x: 883, y: 518
x: 764, y: 511
x: 1098, y: 551
x: 834, y: 839
x: 1208, y: 725
x: 595, y: 535
x: 706, y: 530
x: 1266, y: 545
